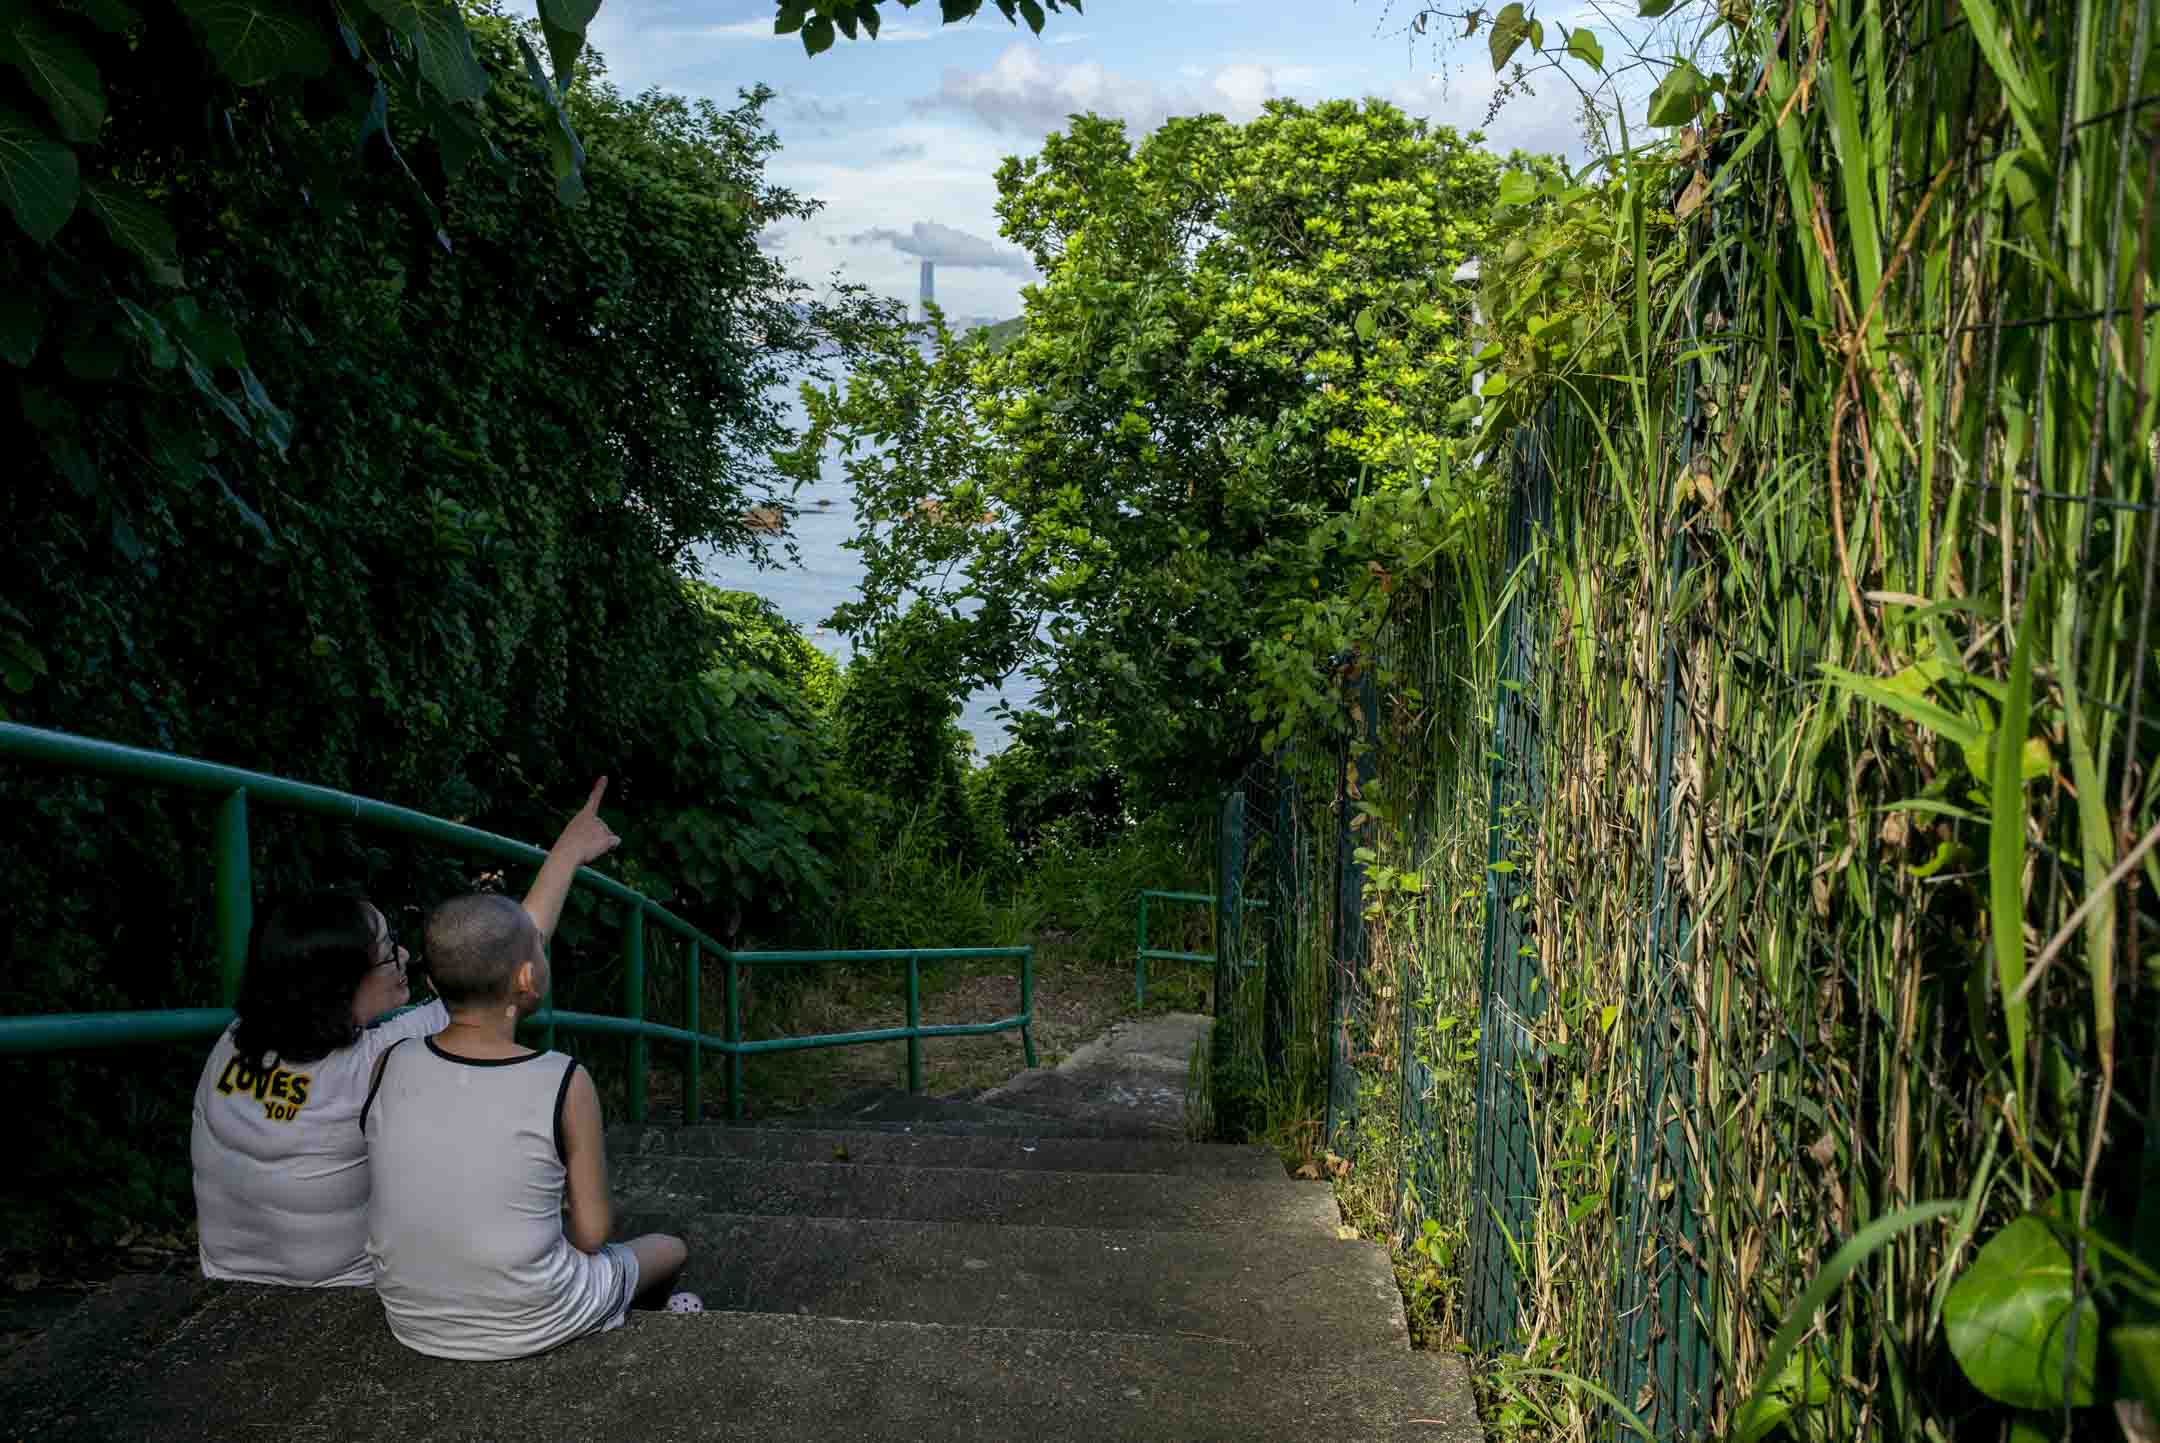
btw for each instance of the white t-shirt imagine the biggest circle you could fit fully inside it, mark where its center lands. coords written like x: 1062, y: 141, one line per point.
x: 281, y: 1172
x: 466, y: 1223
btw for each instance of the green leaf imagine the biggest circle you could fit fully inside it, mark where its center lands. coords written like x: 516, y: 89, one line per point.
x: 114, y: 17
x: 955, y: 11
x: 1368, y: 326
x: 564, y: 23
x: 176, y: 449
x: 62, y: 75
x: 1679, y: 97
x: 1517, y: 188
x: 817, y: 36
x: 248, y: 513
x: 93, y: 353
x: 1652, y: 9
x: 1986, y: 27
x: 2009, y: 1317
x: 791, y: 16
x: 1033, y: 14
x: 2137, y: 1352
x: 457, y: 132
x: 1895, y: 696
x: 209, y: 338
x: 138, y: 226
x: 1584, y: 46
x: 565, y: 150
x: 22, y: 325
x: 1509, y: 30
x: 1805, y: 1383
x: 38, y: 177
x: 2006, y: 855
x: 1800, y: 1319
x: 442, y: 43
x: 256, y: 41
x: 20, y: 663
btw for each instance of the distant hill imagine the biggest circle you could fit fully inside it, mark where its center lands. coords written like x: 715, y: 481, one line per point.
x: 1004, y: 333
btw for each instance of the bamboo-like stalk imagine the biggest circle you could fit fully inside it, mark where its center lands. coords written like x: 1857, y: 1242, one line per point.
x: 1897, y: 961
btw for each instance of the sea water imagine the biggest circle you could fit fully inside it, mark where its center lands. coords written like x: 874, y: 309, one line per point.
x: 821, y: 521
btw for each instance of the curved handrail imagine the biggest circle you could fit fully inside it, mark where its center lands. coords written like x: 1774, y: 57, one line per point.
x: 237, y: 786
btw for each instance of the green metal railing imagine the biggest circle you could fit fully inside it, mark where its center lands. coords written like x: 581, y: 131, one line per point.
x: 232, y: 889
x: 1143, y: 954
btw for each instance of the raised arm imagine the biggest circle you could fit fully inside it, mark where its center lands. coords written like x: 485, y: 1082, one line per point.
x: 585, y: 1185
x: 585, y: 838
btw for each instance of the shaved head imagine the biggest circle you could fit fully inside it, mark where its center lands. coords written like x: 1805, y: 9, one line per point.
x: 474, y: 946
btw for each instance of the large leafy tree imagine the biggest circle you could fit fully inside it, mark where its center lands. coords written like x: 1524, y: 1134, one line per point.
x: 408, y: 521
x: 446, y: 565
x: 1236, y: 393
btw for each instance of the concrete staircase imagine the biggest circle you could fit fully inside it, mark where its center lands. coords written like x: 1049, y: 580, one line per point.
x: 902, y: 1269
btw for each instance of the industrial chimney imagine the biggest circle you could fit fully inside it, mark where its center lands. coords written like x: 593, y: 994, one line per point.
x: 929, y: 290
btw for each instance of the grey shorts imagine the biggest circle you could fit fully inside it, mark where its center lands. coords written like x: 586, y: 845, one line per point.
x: 626, y: 1271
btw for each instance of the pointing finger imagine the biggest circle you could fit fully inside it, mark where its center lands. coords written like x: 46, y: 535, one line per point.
x: 599, y: 790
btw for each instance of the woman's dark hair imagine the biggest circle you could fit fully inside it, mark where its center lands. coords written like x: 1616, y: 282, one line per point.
x: 305, y: 962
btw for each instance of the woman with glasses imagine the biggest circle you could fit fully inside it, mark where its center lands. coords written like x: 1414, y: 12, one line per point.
x: 281, y: 1170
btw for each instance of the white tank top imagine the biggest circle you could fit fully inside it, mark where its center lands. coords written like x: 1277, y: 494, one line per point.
x: 281, y: 1175
x: 465, y: 1225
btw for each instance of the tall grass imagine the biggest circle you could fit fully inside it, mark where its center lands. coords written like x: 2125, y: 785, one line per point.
x: 1783, y: 827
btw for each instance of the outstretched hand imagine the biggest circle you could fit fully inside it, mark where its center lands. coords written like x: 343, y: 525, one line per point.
x: 585, y: 837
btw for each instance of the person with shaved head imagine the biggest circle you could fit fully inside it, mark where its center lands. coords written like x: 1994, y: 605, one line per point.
x: 489, y: 1220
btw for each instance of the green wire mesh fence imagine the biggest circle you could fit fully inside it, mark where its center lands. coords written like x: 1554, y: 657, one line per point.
x: 1751, y: 847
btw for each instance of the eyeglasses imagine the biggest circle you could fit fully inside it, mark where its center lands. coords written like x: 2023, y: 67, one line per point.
x: 393, y: 954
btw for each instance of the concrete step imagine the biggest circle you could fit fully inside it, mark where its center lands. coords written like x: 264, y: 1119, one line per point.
x: 938, y: 1113
x: 1009, y: 1124
x: 684, y: 1186
x: 1053, y: 1154
x: 49, y: 1376
x: 290, y: 1363
x: 1297, y: 1296
x: 1138, y: 1072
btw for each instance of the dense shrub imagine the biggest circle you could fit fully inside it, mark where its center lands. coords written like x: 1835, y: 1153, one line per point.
x: 398, y: 496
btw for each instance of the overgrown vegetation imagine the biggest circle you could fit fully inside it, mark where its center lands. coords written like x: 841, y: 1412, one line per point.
x: 1757, y: 806
x: 1695, y: 726
x: 1145, y: 499
x: 388, y: 475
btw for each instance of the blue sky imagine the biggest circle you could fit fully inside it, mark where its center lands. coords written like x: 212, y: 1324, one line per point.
x: 900, y: 137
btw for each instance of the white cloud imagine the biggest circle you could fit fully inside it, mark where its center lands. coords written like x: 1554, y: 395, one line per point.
x: 931, y: 241
x: 1543, y: 122
x: 943, y: 170
x: 1023, y: 93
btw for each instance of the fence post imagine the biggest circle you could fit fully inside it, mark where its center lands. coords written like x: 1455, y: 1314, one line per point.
x: 734, y: 1034
x: 1027, y: 1002
x: 914, y: 1020
x: 1275, y: 984
x: 693, y: 1098
x: 1226, y: 1082
x: 634, y: 1003
x: 1140, y: 958
x: 1346, y: 967
x: 234, y: 891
